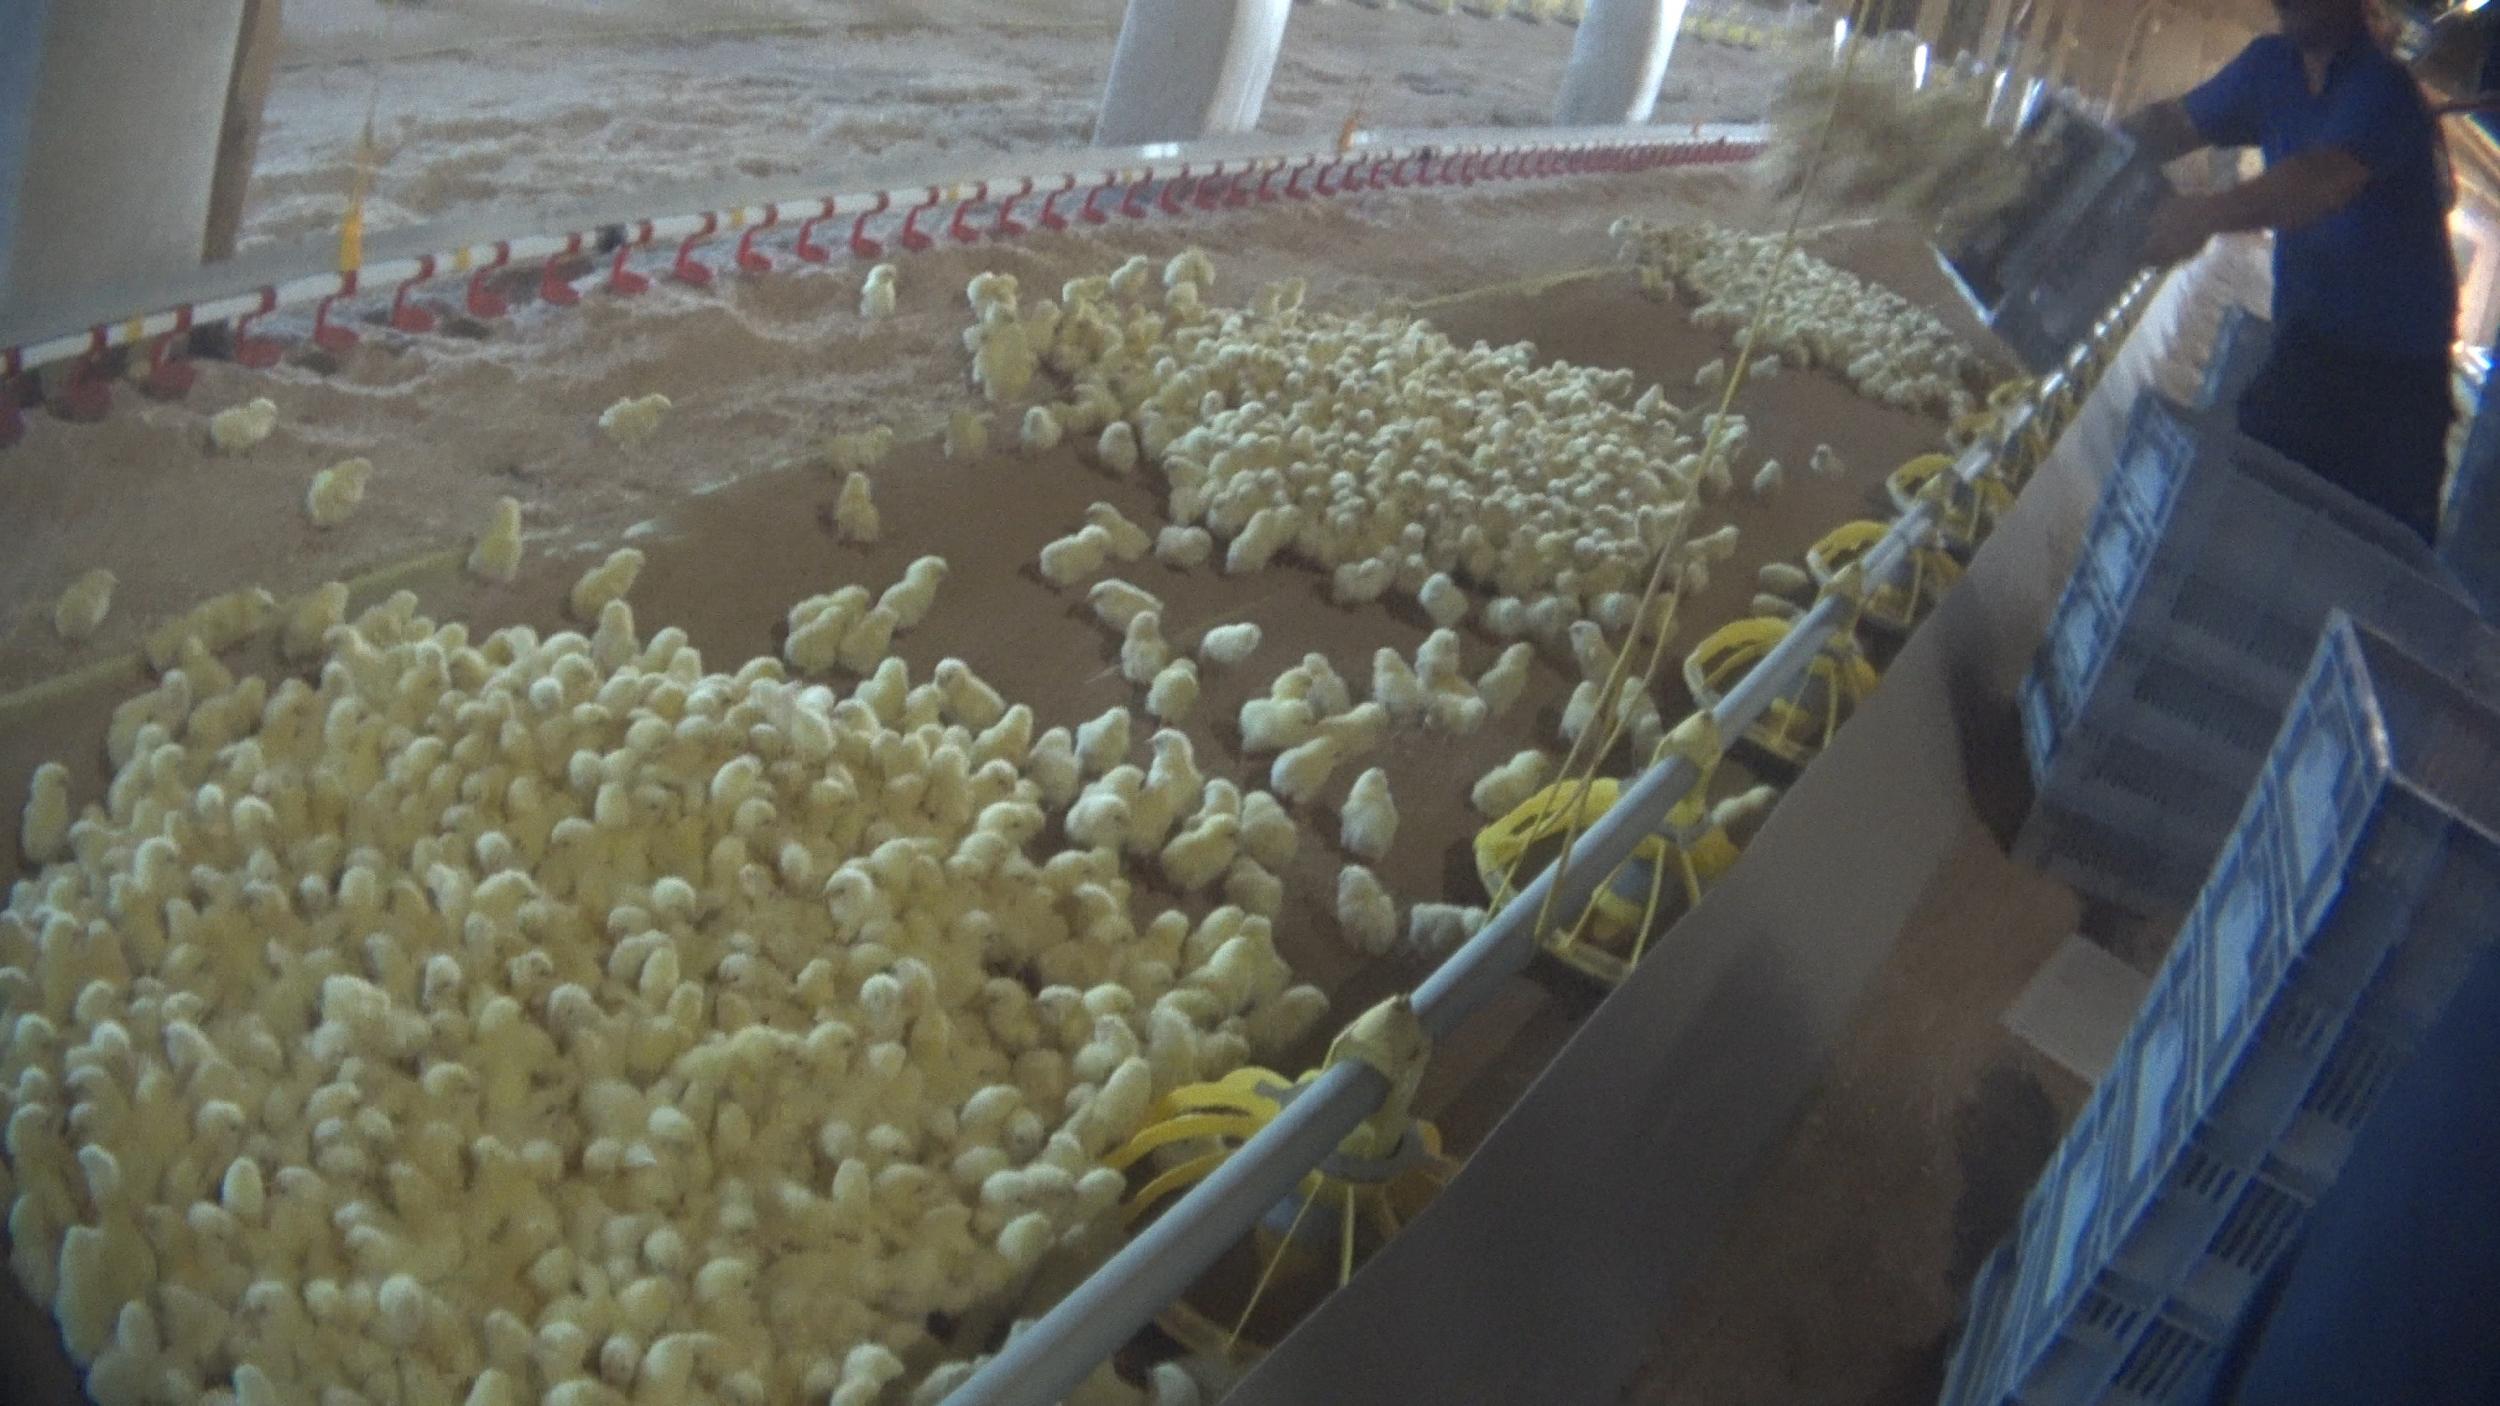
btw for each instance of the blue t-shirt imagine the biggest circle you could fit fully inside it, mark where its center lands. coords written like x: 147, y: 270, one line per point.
x: 2377, y: 276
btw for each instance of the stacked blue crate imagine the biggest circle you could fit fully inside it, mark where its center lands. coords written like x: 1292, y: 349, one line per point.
x: 2241, y: 344
x: 2209, y: 564
x: 2353, y: 899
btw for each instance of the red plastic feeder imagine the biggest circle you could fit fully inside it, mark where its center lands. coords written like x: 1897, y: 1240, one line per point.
x: 624, y: 281
x: 259, y: 353
x: 86, y: 391
x: 1093, y: 214
x: 406, y: 316
x: 688, y: 269
x: 752, y: 260
x: 1170, y: 199
x: 913, y: 237
x: 484, y: 302
x: 554, y: 285
x: 806, y: 247
x: 1051, y: 219
x: 862, y: 246
x: 956, y: 229
x: 1008, y: 226
x: 328, y: 335
x: 171, y: 377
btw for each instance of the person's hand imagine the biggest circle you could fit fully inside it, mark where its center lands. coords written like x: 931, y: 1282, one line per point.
x: 2178, y: 229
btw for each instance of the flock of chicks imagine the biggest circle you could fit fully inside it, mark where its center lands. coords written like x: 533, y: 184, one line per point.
x: 1888, y: 348
x: 550, y: 1018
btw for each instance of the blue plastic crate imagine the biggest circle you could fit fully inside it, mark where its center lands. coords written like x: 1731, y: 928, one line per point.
x: 2036, y: 698
x: 2242, y: 342
x: 2165, y: 475
x: 2211, y: 551
x: 2139, y: 866
x: 1983, y: 1325
x: 2354, y: 896
x: 2134, y: 780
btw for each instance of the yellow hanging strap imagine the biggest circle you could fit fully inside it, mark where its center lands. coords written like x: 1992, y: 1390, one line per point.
x: 1268, y: 1271
x: 352, y: 228
x: 1389, y: 1038
x: 1696, y: 740
x: 368, y: 161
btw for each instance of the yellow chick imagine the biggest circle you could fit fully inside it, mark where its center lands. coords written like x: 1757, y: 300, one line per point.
x: 609, y: 580
x: 241, y: 427
x: 876, y: 293
x: 309, y: 622
x: 80, y: 611
x: 43, y: 828
x: 497, y: 555
x: 1040, y: 432
x: 1366, y: 914
x: 1174, y: 691
x: 1369, y: 824
x: 855, y: 512
x: 1506, y: 787
x: 1116, y: 602
x: 336, y: 491
x: 1228, y: 645
x: 1125, y: 540
x: 633, y: 420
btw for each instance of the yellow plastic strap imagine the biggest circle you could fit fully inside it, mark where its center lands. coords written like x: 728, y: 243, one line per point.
x: 1696, y: 740
x: 1172, y: 1179
x: 1390, y: 1039
x: 1182, y: 1129
x: 1849, y: 582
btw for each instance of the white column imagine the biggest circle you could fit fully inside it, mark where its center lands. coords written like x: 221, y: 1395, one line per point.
x: 1618, y: 60
x: 1186, y: 69
x: 112, y: 152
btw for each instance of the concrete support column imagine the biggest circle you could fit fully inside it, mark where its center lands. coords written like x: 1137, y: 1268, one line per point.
x: 1186, y: 69
x: 1618, y: 59
x: 1992, y: 32
x: 112, y: 146
x: 1932, y: 15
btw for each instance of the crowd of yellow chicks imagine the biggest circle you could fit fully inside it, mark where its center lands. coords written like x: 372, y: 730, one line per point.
x: 1887, y: 347
x: 551, y: 1018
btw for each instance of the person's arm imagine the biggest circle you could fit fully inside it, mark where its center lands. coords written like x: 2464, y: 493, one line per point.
x: 2164, y: 132
x: 2377, y: 123
x: 2294, y: 192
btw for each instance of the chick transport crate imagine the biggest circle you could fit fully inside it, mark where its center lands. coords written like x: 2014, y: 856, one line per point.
x: 2208, y: 567
x: 2043, y: 273
x: 2352, y: 900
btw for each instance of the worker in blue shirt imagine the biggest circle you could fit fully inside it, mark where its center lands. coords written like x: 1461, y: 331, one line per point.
x: 2357, y: 191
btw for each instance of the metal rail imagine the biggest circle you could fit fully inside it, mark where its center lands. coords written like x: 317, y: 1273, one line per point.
x: 1043, y: 1363
x: 913, y: 208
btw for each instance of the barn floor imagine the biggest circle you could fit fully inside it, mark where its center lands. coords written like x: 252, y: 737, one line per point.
x: 1898, y: 1178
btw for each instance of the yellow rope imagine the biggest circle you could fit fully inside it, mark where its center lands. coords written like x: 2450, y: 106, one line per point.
x: 1345, y: 1241
x: 1259, y: 1289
